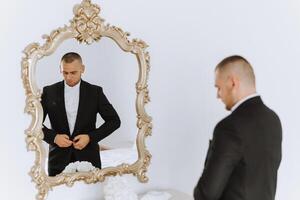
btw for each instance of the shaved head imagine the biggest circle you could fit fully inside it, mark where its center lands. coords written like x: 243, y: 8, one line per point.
x: 238, y: 66
x: 72, y: 68
x: 70, y: 57
x: 234, y: 80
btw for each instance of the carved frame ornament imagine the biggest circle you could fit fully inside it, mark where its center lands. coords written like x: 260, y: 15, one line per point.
x: 86, y: 27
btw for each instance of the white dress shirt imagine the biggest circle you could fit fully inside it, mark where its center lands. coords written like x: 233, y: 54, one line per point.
x: 71, y: 104
x: 243, y: 100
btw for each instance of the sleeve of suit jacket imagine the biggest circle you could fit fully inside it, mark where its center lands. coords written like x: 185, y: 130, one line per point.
x: 222, y: 158
x: 108, y: 114
x: 49, y: 134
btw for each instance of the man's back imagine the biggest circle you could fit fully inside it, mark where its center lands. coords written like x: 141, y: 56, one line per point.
x: 260, y: 132
x: 244, y: 156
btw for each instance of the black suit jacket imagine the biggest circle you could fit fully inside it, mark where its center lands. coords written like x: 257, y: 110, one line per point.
x: 244, y: 156
x: 91, y: 102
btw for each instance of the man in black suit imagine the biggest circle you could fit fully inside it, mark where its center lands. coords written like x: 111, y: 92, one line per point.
x: 245, y: 152
x: 72, y: 106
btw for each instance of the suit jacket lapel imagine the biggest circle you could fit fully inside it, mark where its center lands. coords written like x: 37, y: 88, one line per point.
x: 82, y: 98
x: 61, y: 96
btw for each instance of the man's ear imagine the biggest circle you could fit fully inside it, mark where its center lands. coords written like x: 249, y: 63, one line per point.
x: 235, y: 81
x: 82, y: 68
x: 230, y: 81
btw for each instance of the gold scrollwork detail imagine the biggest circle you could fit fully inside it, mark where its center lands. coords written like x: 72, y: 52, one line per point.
x: 87, y: 22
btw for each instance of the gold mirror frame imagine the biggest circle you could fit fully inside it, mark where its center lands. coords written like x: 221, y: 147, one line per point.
x: 86, y: 27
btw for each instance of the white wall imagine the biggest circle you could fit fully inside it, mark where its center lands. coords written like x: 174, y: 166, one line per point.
x: 187, y: 39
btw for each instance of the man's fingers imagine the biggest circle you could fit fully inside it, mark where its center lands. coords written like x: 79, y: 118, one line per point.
x: 65, y: 143
x: 66, y: 140
x: 77, y: 138
x: 80, y: 142
x: 64, y: 136
x: 70, y: 142
x: 75, y: 142
x: 79, y: 147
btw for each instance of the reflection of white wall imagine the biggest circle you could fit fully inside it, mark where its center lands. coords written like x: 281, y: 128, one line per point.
x: 111, y: 68
x: 186, y: 39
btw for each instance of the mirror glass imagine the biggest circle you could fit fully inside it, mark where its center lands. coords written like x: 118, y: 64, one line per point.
x: 116, y: 71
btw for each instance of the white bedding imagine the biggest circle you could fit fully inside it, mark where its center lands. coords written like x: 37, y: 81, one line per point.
x: 118, y: 156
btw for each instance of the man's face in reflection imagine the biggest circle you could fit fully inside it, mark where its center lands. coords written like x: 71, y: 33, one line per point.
x: 72, y: 71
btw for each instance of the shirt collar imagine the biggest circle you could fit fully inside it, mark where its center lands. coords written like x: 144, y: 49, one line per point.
x: 243, y: 100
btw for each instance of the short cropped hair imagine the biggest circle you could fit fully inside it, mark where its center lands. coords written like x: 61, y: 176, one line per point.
x: 242, y: 66
x: 70, y: 57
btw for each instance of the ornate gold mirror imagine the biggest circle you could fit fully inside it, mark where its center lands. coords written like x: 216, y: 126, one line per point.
x: 107, y: 54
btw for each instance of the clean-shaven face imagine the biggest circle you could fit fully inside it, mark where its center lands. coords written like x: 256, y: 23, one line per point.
x: 72, y: 72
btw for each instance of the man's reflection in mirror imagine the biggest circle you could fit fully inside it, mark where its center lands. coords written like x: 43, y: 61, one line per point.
x: 72, y: 106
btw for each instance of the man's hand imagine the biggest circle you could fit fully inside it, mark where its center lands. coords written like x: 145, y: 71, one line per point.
x: 80, y: 141
x: 62, y: 140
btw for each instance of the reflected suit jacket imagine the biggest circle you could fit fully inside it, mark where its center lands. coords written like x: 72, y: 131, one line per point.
x: 91, y: 102
x: 244, y: 155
